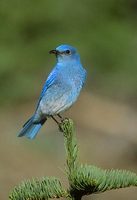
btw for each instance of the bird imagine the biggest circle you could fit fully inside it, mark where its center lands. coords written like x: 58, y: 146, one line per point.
x: 60, y: 91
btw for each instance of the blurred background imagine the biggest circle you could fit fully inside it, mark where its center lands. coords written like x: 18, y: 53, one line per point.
x: 105, y: 116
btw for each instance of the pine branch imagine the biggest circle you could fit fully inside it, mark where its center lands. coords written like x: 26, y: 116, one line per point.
x: 83, y: 179
x: 90, y: 179
x: 67, y: 127
x: 38, y: 189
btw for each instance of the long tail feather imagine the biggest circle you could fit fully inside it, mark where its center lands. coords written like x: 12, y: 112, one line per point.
x: 30, y: 129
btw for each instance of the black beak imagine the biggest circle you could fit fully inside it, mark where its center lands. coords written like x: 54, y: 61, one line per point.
x: 54, y: 51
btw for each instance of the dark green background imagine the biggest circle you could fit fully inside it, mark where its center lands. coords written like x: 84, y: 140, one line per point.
x: 104, y: 31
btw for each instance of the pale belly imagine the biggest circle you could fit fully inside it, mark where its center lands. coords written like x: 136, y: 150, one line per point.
x: 56, y: 106
x: 60, y: 102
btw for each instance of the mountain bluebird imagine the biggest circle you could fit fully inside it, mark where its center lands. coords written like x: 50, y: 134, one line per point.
x: 60, y: 90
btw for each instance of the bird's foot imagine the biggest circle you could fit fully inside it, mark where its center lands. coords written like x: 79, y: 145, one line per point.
x: 64, y: 124
x: 61, y: 122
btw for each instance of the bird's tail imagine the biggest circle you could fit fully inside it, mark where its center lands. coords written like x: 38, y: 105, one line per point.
x: 30, y: 129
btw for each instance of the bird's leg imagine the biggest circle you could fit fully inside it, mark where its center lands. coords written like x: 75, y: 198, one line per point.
x: 58, y: 123
x: 60, y: 117
x: 55, y: 120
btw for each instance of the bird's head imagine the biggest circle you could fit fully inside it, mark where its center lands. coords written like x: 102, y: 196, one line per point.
x: 65, y: 53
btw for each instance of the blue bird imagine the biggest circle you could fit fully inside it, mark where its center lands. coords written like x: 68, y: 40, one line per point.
x: 60, y: 90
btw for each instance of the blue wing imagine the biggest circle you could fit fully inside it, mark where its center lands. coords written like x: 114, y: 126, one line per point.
x: 50, y: 80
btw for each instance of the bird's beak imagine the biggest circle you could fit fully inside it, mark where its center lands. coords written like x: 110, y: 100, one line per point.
x: 54, y: 51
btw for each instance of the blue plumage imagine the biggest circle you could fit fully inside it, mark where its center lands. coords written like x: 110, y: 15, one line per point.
x: 60, y: 90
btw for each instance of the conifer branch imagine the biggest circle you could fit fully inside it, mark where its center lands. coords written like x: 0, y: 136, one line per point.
x: 90, y: 179
x: 70, y: 142
x: 38, y: 189
x: 83, y: 179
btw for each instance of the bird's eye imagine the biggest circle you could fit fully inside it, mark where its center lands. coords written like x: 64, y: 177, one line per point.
x: 68, y: 52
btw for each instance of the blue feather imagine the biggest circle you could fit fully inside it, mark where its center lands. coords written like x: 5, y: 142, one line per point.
x: 50, y: 80
x: 30, y: 129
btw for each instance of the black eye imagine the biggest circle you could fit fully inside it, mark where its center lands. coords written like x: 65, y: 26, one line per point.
x: 68, y: 52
